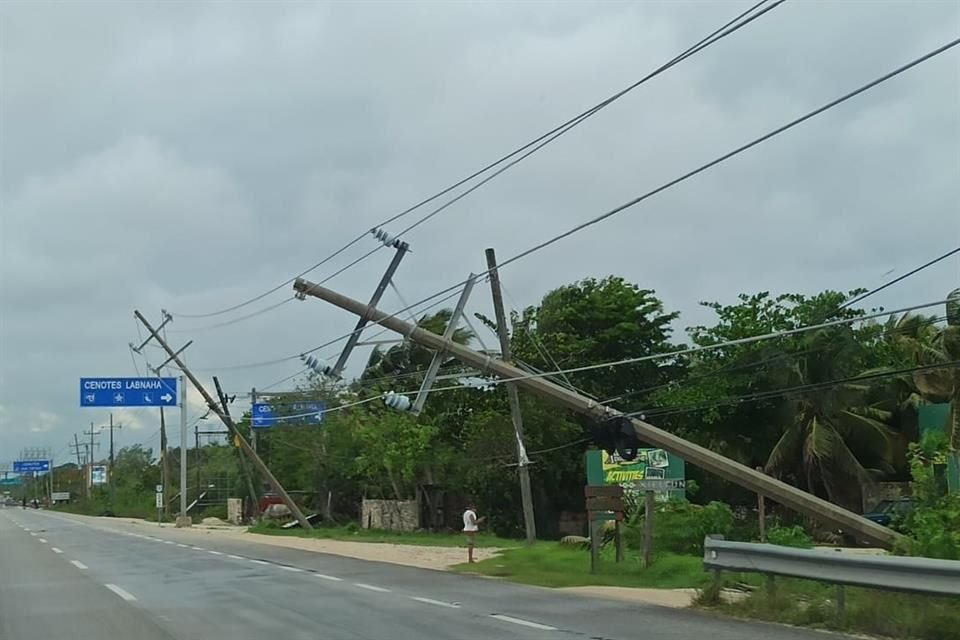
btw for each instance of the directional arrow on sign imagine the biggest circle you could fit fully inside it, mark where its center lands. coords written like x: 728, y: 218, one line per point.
x: 166, y: 397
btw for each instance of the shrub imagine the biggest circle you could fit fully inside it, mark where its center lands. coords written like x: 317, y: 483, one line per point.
x: 794, y: 536
x: 680, y: 526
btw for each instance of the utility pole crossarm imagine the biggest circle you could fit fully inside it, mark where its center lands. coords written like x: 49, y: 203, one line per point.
x: 709, y: 461
x: 228, y: 422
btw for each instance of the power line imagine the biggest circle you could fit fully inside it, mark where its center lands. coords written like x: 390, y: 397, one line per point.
x: 762, y: 395
x: 704, y: 167
x: 900, y: 278
x: 730, y: 27
x: 732, y: 368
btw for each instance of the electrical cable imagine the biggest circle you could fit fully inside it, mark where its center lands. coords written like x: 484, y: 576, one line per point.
x: 704, y: 167
x: 900, y: 278
x: 730, y: 27
x: 762, y: 395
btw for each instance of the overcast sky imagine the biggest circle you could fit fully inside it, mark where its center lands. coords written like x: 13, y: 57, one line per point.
x: 188, y: 156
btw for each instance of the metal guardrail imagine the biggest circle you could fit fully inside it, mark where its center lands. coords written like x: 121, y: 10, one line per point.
x: 916, y: 575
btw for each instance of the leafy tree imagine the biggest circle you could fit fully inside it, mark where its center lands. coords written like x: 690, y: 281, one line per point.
x: 592, y: 322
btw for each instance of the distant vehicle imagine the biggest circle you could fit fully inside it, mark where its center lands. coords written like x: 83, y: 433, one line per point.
x: 886, y: 512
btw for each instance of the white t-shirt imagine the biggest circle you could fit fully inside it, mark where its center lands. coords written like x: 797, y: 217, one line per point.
x: 470, y: 520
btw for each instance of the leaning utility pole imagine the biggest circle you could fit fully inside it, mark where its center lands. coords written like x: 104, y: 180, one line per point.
x: 183, y: 520
x: 231, y: 427
x: 244, y: 467
x: 710, y: 461
x: 526, y: 495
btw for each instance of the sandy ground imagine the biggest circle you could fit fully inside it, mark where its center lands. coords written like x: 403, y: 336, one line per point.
x: 410, y: 555
x: 675, y: 598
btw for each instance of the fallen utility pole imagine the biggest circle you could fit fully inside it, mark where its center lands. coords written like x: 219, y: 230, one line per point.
x: 231, y: 427
x: 739, y: 474
x: 516, y: 416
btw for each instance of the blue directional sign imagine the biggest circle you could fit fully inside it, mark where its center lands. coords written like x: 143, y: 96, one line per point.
x: 29, y: 466
x: 128, y: 392
x: 296, y: 413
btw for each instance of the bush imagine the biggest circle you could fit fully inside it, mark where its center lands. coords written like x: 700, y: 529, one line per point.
x: 794, y: 536
x: 680, y: 526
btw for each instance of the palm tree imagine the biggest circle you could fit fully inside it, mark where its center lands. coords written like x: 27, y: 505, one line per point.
x: 835, y: 440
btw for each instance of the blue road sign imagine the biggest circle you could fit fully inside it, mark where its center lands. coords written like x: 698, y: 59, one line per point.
x: 128, y: 392
x: 296, y: 413
x: 28, y: 466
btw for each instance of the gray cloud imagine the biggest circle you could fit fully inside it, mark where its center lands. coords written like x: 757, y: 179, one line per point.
x: 189, y: 156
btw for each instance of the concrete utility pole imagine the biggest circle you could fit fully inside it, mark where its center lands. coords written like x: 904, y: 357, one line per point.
x: 90, y: 449
x: 231, y: 427
x: 244, y: 467
x: 164, y: 464
x: 111, y: 426
x: 402, y: 248
x: 503, y: 332
x: 709, y: 461
x: 253, y: 432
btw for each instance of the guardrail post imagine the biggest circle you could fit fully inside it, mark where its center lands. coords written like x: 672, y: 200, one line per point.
x: 841, y: 601
x: 771, y: 585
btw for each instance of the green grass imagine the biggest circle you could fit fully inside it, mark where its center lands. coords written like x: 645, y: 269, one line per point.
x: 421, y: 538
x: 812, y: 604
x: 549, y: 564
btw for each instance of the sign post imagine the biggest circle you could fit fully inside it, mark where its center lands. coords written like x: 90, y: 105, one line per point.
x: 600, y: 501
x: 159, y: 501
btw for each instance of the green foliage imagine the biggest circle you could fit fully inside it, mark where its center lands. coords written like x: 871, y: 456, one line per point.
x: 790, y: 536
x: 680, y: 526
x: 553, y: 565
x: 933, y: 526
x: 867, y: 611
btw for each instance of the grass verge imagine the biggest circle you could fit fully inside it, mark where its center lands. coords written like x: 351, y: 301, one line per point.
x: 355, y: 534
x: 549, y: 564
x: 812, y: 604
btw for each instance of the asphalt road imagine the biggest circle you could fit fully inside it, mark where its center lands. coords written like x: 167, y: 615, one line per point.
x: 73, y: 578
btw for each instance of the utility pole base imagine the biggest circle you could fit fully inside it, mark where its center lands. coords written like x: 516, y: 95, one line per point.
x: 184, y: 521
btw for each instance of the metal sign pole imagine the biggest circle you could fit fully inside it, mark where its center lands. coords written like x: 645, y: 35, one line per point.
x: 182, y: 521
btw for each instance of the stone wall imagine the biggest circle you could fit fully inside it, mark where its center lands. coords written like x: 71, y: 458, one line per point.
x: 394, y: 515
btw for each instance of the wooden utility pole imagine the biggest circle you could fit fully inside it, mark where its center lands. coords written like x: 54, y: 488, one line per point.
x: 710, y: 461
x: 244, y: 468
x: 503, y: 332
x: 231, y: 427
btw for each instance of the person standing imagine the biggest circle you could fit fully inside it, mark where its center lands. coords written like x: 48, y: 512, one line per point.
x: 471, y: 524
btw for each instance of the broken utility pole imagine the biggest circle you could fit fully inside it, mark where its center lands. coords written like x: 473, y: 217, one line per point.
x: 709, y: 461
x: 231, y: 427
x: 503, y: 332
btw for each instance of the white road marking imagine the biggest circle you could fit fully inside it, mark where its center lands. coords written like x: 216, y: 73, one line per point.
x: 120, y: 592
x: 524, y: 623
x: 371, y: 587
x: 266, y: 564
x: 286, y: 568
x: 33, y: 534
x: 198, y: 548
x: 55, y: 550
x: 233, y: 557
x: 216, y: 553
x: 78, y: 564
x: 183, y: 546
x: 168, y: 542
x: 26, y: 528
x: 330, y: 578
x: 439, y: 603
x: 43, y: 540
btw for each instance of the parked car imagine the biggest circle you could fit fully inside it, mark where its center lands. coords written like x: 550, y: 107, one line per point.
x: 888, y: 511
